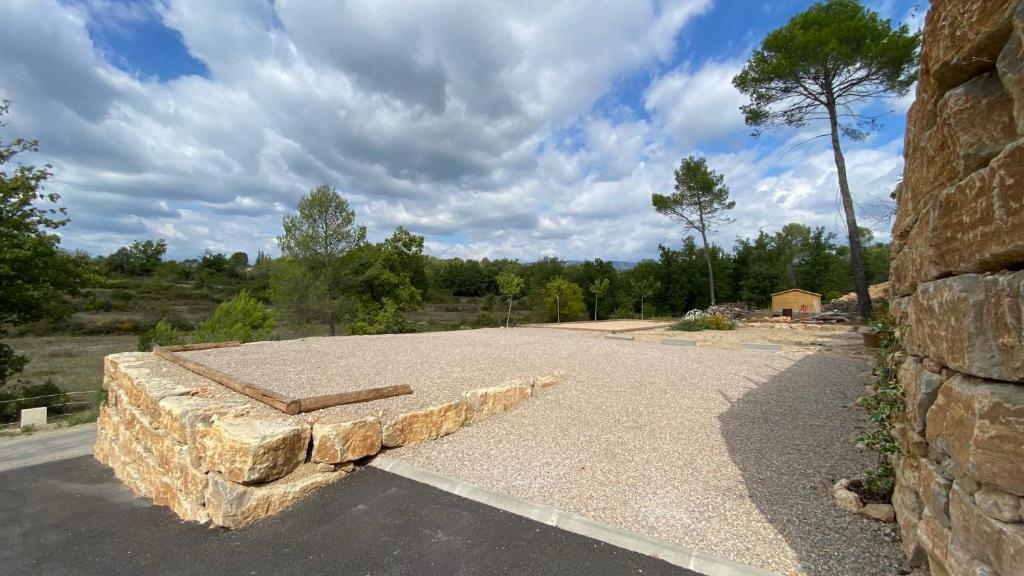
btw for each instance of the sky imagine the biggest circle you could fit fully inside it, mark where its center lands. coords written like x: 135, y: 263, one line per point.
x: 494, y: 129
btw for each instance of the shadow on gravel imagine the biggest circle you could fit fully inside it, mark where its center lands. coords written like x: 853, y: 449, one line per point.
x: 791, y: 437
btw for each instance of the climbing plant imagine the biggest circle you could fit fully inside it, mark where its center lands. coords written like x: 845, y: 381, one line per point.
x: 884, y: 404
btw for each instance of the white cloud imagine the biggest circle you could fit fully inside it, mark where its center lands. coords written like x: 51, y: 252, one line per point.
x: 477, y: 124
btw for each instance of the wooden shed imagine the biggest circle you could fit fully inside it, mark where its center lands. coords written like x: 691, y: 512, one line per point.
x: 795, y: 301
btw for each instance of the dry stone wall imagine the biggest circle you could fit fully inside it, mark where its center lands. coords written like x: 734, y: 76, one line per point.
x: 216, y: 460
x: 958, y: 294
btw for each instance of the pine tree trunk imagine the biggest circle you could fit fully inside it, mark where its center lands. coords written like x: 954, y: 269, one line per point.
x: 707, y: 258
x: 860, y: 281
x: 509, y: 317
x: 641, y: 307
x: 558, y: 309
x: 595, y: 308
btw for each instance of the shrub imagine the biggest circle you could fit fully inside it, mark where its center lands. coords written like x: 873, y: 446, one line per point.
x: 696, y: 320
x: 161, y: 334
x: 624, y: 312
x: 385, y: 318
x: 242, y: 318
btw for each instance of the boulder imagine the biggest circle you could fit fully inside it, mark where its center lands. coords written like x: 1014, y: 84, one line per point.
x: 179, y: 415
x: 964, y: 39
x: 485, y: 402
x: 235, y: 505
x: 971, y: 323
x: 845, y: 498
x: 426, y: 424
x: 1011, y: 73
x: 980, y: 423
x: 249, y: 451
x: 998, y: 505
x: 920, y: 388
x: 345, y: 441
x: 996, y: 543
x: 878, y: 512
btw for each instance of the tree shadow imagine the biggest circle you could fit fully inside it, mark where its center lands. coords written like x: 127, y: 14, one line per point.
x: 791, y: 437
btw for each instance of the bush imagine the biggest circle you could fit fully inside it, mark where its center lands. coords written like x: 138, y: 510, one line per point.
x: 624, y: 312
x: 162, y: 334
x: 687, y: 326
x: 381, y: 319
x: 242, y: 318
x: 696, y: 320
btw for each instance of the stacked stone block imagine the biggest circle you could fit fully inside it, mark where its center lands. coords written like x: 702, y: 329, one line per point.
x: 958, y: 294
x: 218, y: 460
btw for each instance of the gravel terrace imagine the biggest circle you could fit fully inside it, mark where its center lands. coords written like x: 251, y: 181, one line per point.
x: 725, y: 451
x: 728, y: 452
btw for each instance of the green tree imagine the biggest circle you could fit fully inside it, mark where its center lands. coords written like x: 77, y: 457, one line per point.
x: 297, y: 295
x: 319, y: 236
x: 823, y: 65
x: 242, y: 318
x: 162, y: 333
x: 389, y: 272
x: 598, y: 288
x: 141, y: 258
x: 34, y: 273
x: 510, y: 285
x: 699, y: 202
x: 563, y: 296
x: 644, y: 288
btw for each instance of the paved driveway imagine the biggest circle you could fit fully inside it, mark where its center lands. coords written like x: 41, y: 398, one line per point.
x: 71, y: 516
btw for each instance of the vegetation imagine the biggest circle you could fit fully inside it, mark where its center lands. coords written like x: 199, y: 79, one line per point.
x: 883, y: 405
x: 510, y: 286
x: 598, y: 288
x: 317, y: 238
x: 644, y: 288
x: 564, y: 298
x: 242, y: 318
x: 700, y: 202
x: 162, y: 334
x: 697, y: 320
x: 823, y: 66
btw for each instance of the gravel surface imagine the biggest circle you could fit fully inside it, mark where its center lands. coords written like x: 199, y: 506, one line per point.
x: 728, y: 452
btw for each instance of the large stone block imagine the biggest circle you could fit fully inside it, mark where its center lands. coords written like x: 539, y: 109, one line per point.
x: 934, y: 540
x: 978, y: 116
x: 971, y: 323
x: 996, y: 543
x: 485, y: 402
x: 978, y: 225
x: 345, y: 441
x: 908, y: 507
x: 179, y: 415
x: 250, y: 451
x: 234, y: 505
x: 980, y: 424
x: 425, y: 424
x: 920, y: 388
x: 934, y: 491
x: 1011, y: 71
x: 998, y: 504
x: 964, y: 38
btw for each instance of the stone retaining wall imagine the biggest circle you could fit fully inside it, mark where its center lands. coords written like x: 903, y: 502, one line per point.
x: 212, y: 459
x: 958, y: 294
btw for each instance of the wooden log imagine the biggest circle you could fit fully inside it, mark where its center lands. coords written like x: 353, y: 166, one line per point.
x: 268, y: 397
x: 366, y: 395
x: 203, y: 346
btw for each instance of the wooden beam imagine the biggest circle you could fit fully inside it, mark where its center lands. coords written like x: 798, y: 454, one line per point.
x: 270, y: 398
x: 366, y: 395
x: 203, y: 346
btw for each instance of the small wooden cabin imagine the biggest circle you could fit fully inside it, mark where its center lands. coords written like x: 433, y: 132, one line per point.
x: 795, y: 301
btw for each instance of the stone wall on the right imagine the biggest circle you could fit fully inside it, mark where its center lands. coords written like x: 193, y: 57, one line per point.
x: 958, y: 295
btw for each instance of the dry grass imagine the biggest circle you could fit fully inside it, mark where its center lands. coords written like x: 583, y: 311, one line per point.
x: 73, y: 362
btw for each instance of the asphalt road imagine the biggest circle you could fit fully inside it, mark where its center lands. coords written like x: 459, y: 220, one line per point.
x: 71, y: 516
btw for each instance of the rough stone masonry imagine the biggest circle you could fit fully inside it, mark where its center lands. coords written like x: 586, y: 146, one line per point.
x: 226, y: 461
x: 958, y: 295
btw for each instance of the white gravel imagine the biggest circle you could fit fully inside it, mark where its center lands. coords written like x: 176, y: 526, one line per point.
x: 728, y: 452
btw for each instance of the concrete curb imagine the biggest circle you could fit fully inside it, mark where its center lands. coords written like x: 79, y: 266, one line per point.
x: 614, y: 336
x: 759, y: 347
x: 678, y: 342
x: 570, y: 522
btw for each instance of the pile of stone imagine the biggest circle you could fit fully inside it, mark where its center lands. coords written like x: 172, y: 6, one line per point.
x: 849, y: 500
x: 224, y: 461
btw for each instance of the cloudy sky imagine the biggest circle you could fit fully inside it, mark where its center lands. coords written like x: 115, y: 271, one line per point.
x: 499, y: 129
